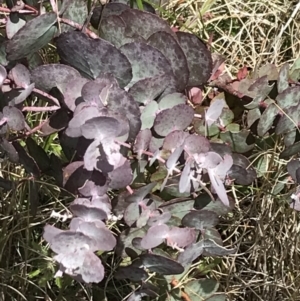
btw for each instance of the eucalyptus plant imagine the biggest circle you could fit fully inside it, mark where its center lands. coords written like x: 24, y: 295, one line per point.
x: 141, y: 153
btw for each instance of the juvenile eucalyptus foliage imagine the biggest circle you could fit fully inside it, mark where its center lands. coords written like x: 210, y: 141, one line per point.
x: 141, y: 154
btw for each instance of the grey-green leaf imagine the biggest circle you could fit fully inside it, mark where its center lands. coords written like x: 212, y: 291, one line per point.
x: 75, y: 10
x: 237, y: 141
x: 49, y: 76
x: 289, y: 97
x: 33, y: 36
x: 283, y: 79
x: 290, y: 151
x: 93, y: 57
x: 143, y: 23
x: 198, y: 57
x: 201, y: 289
x: 146, y: 61
x: 266, y: 120
x: 171, y: 49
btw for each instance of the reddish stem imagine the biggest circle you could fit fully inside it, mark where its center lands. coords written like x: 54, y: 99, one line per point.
x: 3, y: 121
x: 31, y: 8
x: 79, y: 27
x: 32, y: 131
x: 41, y: 109
x: 53, y: 99
x: 129, y: 189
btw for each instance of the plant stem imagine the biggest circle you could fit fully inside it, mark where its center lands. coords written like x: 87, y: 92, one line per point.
x: 79, y: 27
x: 41, y: 109
x: 3, y: 121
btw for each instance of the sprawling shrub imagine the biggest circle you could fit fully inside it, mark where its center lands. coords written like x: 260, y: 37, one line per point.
x: 143, y: 149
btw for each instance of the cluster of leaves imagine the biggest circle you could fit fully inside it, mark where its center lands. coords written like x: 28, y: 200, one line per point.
x: 121, y: 109
x: 269, y: 101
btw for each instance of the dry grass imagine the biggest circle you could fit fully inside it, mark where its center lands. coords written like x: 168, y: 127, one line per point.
x: 263, y: 227
x: 245, y: 32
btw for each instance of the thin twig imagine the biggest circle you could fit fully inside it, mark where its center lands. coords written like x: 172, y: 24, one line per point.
x: 41, y: 109
x: 79, y: 27
x: 28, y: 133
x: 37, y: 91
x: 88, y: 19
x: 50, y: 97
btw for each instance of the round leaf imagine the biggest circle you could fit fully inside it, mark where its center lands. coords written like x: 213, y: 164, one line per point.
x: 49, y: 76
x: 132, y: 273
x: 33, y: 36
x: 200, y: 219
x: 177, y: 118
x: 161, y: 265
x: 146, y: 61
x: 93, y: 57
x: 15, y: 118
x: 20, y: 75
x: 171, y: 49
x: 198, y: 58
x: 201, y: 289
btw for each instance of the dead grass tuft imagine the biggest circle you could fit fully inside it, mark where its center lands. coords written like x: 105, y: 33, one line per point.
x: 246, y: 32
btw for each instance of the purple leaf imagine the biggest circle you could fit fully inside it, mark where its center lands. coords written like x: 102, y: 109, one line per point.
x: 218, y: 185
x: 77, y: 221
x: 142, y: 142
x: 200, y: 219
x: 70, y: 241
x: 82, y: 265
x: 174, y: 140
x: 195, y: 144
x: 181, y: 237
x: 96, y: 185
x: 224, y: 167
x: 157, y: 218
x: 110, y: 158
x: 20, y: 75
x: 184, y: 182
x: 131, y: 214
x: 92, y: 155
x: 103, y: 238
x: 86, y: 211
x: 50, y: 232
x: 71, y: 261
x: 177, y: 118
x: 172, y: 160
x: 60, y: 76
x: 103, y: 127
x: 102, y: 202
x: 15, y: 118
x: 139, y: 194
x: 192, y: 252
x: 155, y: 236
x: 92, y: 269
x: 72, y: 92
x: 121, y: 177
x: 209, y: 160
x: 214, y: 111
